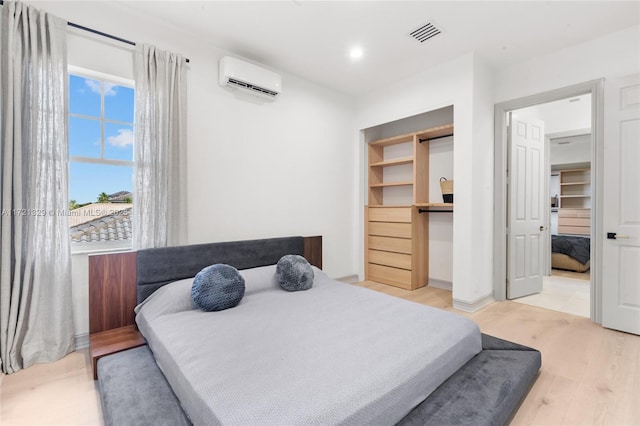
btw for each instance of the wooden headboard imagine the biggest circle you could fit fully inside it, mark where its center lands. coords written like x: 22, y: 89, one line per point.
x: 113, y: 282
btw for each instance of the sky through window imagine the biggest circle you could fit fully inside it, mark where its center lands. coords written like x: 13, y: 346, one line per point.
x: 100, y: 138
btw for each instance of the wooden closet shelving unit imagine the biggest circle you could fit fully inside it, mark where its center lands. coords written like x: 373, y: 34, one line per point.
x: 397, y: 236
x: 574, y: 213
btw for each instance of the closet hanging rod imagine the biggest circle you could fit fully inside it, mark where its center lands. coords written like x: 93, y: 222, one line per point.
x: 434, y: 211
x: 100, y: 33
x: 434, y: 138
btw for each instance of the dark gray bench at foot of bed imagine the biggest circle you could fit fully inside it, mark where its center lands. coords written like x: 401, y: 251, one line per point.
x: 134, y: 391
x: 485, y: 391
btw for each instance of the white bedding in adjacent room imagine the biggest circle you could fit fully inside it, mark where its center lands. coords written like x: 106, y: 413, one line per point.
x: 334, y: 354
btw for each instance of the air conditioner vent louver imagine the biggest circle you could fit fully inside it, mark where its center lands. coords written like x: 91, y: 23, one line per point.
x: 245, y: 76
x: 425, y: 32
x: 252, y: 87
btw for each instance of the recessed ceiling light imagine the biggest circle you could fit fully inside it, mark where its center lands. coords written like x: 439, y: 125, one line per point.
x: 356, y: 52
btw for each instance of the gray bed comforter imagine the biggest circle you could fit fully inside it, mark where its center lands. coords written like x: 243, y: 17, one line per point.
x: 578, y: 248
x: 334, y: 354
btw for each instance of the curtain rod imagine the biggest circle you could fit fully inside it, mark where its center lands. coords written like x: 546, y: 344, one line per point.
x: 100, y: 33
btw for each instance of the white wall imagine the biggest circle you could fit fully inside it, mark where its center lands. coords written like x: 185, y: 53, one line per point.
x: 440, y: 224
x: 562, y: 116
x: 254, y: 169
x: 277, y: 169
x: 479, y: 271
x: 616, y: 54
x: 466, y: 84
x: 577, y: 151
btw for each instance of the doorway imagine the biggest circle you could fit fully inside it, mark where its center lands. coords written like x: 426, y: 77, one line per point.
x: 558, y: 132
x: 566, y: 201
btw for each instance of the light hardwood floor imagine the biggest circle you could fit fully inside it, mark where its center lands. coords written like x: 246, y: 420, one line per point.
x: 562, y: 294
x: 590, y: 375
x: 59, y: 393
x: 584, y: 276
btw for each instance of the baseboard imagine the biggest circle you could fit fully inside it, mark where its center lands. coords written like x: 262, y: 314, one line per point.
x: 349, y: 279
x: 441, y: 284
x: 81, y: 341
x: 475, y: 305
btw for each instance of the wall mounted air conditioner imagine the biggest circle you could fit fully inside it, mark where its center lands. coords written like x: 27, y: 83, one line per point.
x: 250, y: 78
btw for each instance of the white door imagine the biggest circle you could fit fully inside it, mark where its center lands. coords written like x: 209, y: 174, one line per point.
x: 526, y: 215
x: 621, y: 212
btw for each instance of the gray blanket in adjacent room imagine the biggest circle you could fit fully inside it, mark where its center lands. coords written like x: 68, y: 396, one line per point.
x: 578, y: 248
x: 334, y: 354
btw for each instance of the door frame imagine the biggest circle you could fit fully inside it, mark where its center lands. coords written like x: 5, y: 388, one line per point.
x: 547, y: 207
x: 596, y: 89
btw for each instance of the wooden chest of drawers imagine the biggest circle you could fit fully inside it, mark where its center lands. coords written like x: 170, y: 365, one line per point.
x: 574, y: 221
x: 395, y: 252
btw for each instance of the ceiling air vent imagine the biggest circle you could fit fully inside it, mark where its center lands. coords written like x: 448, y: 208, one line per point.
x: 425, y: 32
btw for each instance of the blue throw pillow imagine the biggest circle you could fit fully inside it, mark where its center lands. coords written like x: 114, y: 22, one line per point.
x: 217, y: 287
x: 294, y: 273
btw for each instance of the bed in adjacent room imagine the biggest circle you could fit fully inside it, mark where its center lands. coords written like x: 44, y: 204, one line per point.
x: 571, y: 253
x: 332, y: 354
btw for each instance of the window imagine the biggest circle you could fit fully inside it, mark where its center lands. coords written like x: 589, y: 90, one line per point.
x: 100, y: 162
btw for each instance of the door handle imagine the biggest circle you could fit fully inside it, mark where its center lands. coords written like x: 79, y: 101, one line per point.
x: 542, y: 228
x: 614, y: 236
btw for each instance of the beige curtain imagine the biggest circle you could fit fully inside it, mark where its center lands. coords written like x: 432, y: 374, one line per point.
x: 159, y: 215
x: 36, y: 323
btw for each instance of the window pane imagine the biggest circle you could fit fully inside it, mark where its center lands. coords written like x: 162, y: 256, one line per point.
x: 84, y: 137
x: 118, y: 142
x: 84, y: 96
x: 87, y: 181
x: 100, y: 194
x: 118, y: 103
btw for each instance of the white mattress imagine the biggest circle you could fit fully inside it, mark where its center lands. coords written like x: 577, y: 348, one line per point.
x: 334, y: 354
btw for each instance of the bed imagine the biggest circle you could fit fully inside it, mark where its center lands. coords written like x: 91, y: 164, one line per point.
x: 571, y: 253
x: 334, y: 354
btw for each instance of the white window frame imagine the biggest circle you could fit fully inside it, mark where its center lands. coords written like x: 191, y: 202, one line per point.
x: 110, y: 246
